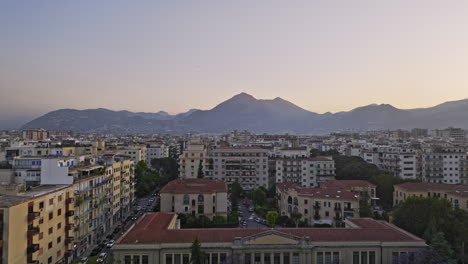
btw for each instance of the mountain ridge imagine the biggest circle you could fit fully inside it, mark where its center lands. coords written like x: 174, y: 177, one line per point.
x: 244, y: 111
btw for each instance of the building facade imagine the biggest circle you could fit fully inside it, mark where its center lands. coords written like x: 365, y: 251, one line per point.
x: 156, y: 240
x: 308, y: 172
x: 445, y: 165
x: 195, y: 196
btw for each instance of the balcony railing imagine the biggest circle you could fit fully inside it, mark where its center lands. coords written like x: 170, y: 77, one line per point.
x: 69, y: 213
x: 33, y: 215
x: 348, y: 209
x: 33, y: 248
x: 33, y: 230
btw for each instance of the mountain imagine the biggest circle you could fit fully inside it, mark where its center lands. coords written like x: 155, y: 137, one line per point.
x: 244, y: 111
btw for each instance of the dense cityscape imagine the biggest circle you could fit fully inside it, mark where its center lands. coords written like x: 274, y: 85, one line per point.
x: 247, y: 198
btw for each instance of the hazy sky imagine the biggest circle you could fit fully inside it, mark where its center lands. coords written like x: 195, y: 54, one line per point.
x: 176, y: 55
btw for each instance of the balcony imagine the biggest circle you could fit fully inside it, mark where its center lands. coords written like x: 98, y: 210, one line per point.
x: 33, y: 248
x: 69, y: 213
x: 33, y: 215
x: 68, y: 240
x: 337, y: 208
x: 317, y: 207
x: 33, y: 230
x: 348, y: 209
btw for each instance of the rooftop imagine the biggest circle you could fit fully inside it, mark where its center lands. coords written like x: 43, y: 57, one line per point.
x: 347, y: 184
x: 153, y: 229
x: 429, y: 186
x: 11, y: 200
x: 329, y: 193
x: 195, y: 186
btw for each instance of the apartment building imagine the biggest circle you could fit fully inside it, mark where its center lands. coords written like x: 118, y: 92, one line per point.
x: 156, y: 150
x: 445, y: 165
x: 135, y: 153
x: 35, y: 134
x: 33, y: 171
x: 37, y: 226
x: 402, y: 162
x: 317, y: 205
x: 246, y: 165
x: 195, y: 196
x: 308, y: 172
x: 157, y: 240
x: 191, y: 159
x: 123, y: 189
x: 456, y: 194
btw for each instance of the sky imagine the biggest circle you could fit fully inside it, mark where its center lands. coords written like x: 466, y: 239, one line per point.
x: 176, y: 55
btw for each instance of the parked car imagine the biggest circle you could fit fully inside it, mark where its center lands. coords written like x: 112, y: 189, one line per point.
x: 84, y: 260
x: 110, y: 244
x: 95, y: 251
x: 102, y: 257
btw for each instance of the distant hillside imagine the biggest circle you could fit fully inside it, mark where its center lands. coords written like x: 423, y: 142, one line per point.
x: 243, y: 111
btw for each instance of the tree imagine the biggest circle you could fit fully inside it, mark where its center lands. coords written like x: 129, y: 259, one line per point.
x: 271, y: 218
x: 200, y: 173
x: 425, y: 217
x: 441, y: 248
x: 198, y: 256
x: 296, y: 217
x: 259, y: 196
x: 364, y: 208
x: 236, y: 191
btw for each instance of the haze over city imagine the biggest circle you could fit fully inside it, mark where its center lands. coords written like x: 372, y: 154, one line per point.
x: 173, y: 56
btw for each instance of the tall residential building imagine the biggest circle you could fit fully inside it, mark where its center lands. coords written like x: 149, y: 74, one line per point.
x: 135, y: 153
x: 191, y: 159
x: 445, y: 165
x: 37, y: 226
x: 35, y: 134
x: 195, y: 196
x: 156, y: 150
x: 308, y: 172
x: 401, y: 162
x: 246, y: 165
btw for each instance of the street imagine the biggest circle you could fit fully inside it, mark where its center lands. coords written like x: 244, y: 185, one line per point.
x: 249, y: 217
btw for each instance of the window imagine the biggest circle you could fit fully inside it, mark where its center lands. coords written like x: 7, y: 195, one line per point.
x: 51, y: 230
x: 200, y: 198
x: 50, y: 245
x: 51, y: 201
x: 51, y: 215
x: 59, y: 225
x: 136, y: 259
x: 128, y: 259
x: 49, y: 260
x: 59, y: 239
x: 186, y: 199
x: 168, y: 259
x: 59, y: 212
x: 41, y: 205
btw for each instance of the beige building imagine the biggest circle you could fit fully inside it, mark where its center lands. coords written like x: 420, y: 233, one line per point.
x: 317, y: 205
x: 136, y: 153
x: 156, y: 240
x: 363, y: 189
x: 456, y: 194
x: 195, y: 196
x: 37, y: 226
x: 191, y: 159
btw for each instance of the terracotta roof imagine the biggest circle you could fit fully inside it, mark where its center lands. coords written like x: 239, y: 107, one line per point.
x: 321, y: 158
x: 195, y: 186
x: 240, y: 148
x: 347, y: 184
x: 328, y: 193
x: 429, y: 186
x: 152, y: 229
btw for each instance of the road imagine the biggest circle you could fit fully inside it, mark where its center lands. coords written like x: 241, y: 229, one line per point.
x: 249, y: 217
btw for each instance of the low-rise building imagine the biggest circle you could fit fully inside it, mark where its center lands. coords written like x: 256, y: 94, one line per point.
x: 191, y: 159
x: 456, y: 194
x: 195, y: 196
x: 155, y: 239
x: 363, y: 189
x: 317, y: 204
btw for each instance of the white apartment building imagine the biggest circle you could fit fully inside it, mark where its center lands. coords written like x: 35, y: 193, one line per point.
x: 156, y: 150
x: 33, y: 171
x: 445, y: 165
x: 246, y: 165
x: 135, y: 153
x: 307, y: 172
x: 401, y: 162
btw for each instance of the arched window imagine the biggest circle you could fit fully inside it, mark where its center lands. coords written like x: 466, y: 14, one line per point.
x: 289, y: 209
x: 289, y: 200
x: 200, y: 198
x: 193, y: 202
x: 295, y: 209
x: 186, y: 199
x: 295, y: 201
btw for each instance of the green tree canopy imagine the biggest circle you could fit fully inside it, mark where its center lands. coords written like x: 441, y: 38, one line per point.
x: 200, y: 173
x: 198, y: 256
x: 296, y: 217
x: 271, y: 218
x: 259, y: 196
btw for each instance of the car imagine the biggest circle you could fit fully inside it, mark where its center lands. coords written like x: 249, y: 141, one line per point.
x: 264, y: 221
x: 84, y: 260
x: 134, y: 218
x: 258, y: 220
x: 244, y: 202
x: 102, y: 257
x: 110, y: 244
x: 251, y: 209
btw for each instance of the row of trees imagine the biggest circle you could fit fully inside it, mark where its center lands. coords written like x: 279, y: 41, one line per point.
x: 202, y: 221
x: 150, y: 179
x: 443, y: 226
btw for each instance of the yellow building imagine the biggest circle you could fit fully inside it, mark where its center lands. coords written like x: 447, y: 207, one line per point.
x: 37, y: 226
x: 457, y: 194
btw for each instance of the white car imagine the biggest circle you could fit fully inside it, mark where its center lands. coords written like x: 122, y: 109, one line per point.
x: 101, y: 257
x: 84, y: 260
x: 110, y: 244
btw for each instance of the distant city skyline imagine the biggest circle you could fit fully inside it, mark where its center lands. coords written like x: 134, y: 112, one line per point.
x: 152, y: 55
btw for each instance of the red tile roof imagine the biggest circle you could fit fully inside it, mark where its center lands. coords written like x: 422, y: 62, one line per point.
x: 195, y: 186
x: 429, y: 186
x: 152, y: 229
x: 327, y: 193
x: 347, y: 184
